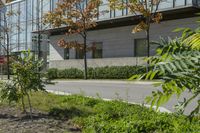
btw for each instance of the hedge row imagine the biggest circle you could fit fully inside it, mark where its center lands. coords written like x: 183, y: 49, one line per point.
x: 114, y: 72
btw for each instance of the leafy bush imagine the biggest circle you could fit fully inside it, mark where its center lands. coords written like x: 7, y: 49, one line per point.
x: 113, y: 72
x: 52, y: 73
x: 116, y: 116
x: 178, y: 65
x: 26, y: 78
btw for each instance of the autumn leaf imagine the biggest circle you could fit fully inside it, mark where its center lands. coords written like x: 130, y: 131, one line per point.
x: 140, y: 27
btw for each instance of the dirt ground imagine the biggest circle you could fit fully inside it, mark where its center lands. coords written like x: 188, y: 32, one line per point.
x: 12, y: 120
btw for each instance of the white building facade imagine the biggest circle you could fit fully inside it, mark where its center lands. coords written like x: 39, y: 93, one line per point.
x: 115, y: 44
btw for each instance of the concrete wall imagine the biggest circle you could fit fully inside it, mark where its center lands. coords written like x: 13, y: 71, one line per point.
x: 78, y: 63
x: 119, y: 42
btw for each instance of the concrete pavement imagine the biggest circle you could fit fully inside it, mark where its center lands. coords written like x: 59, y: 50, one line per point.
x: 114, y: 89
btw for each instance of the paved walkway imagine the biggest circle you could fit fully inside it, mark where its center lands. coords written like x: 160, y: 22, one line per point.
x: 113, y: 89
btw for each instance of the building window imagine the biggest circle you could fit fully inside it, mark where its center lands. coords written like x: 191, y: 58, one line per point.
x: 97, y: 51
x: 66, y: 53
x: 140, y: 47
x: 79, y: 54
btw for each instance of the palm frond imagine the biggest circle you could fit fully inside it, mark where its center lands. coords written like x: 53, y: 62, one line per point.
x: 193, y: 41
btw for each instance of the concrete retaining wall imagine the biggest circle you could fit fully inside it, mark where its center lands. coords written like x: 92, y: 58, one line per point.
x: 130, y: 61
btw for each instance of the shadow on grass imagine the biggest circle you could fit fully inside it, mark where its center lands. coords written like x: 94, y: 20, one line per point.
x: 23, y: 116
x: 6, y: 116
x: 39, y: 120
x: 69, y: 113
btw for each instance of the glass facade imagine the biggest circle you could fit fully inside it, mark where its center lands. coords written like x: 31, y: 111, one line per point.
x: 25, y: 17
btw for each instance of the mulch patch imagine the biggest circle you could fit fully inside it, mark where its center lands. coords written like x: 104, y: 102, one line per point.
x: 12, y: 120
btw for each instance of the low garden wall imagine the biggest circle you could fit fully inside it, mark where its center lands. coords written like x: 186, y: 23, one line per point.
x: 93, y: 63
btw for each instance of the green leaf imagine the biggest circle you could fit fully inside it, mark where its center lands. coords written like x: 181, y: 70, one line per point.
x: 178, y: 29
x: 134, y: 77
x: 153, y: 75
x: 148, y: 75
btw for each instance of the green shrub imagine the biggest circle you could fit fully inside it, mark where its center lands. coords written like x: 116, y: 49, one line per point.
x: 25, y: 80
x: 72, y: 73
x: 119, y: 117
x: 52, y: 73
x: 114, y: 117
x: 113, y: 72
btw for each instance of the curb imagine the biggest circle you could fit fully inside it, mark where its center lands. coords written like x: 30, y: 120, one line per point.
x: 107, y: 81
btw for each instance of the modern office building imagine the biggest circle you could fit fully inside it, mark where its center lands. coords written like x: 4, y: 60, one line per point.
x: 115, y: 44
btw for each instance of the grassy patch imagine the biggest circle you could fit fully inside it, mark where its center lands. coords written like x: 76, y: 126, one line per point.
x: 96, y: 115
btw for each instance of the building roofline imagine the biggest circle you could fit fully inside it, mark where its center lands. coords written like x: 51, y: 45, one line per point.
x: 13, y: 2
x: 1, y: 4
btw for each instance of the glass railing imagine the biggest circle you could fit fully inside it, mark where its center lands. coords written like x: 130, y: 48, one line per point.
x: 47, y: 6
x: 164, y: 5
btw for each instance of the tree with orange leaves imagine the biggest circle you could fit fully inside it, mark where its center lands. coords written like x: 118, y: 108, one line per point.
x: 78, y: 16
x: 145, y: 10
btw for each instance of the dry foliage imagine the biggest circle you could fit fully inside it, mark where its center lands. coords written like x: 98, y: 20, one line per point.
x: 146, y: 9
x: 76, y: 16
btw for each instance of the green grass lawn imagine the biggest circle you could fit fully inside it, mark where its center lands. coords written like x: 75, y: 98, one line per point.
x: 98, y: 116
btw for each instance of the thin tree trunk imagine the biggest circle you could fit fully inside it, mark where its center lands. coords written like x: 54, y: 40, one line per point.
x: 85, y: 57
x: 148, y: 43
x: 8, y: 59
x: 29, y: 102
x: 39, y: 50
x: 23, y: 105
x: 148, y: 47
x: 39, y: 27
x: 7, y: 49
